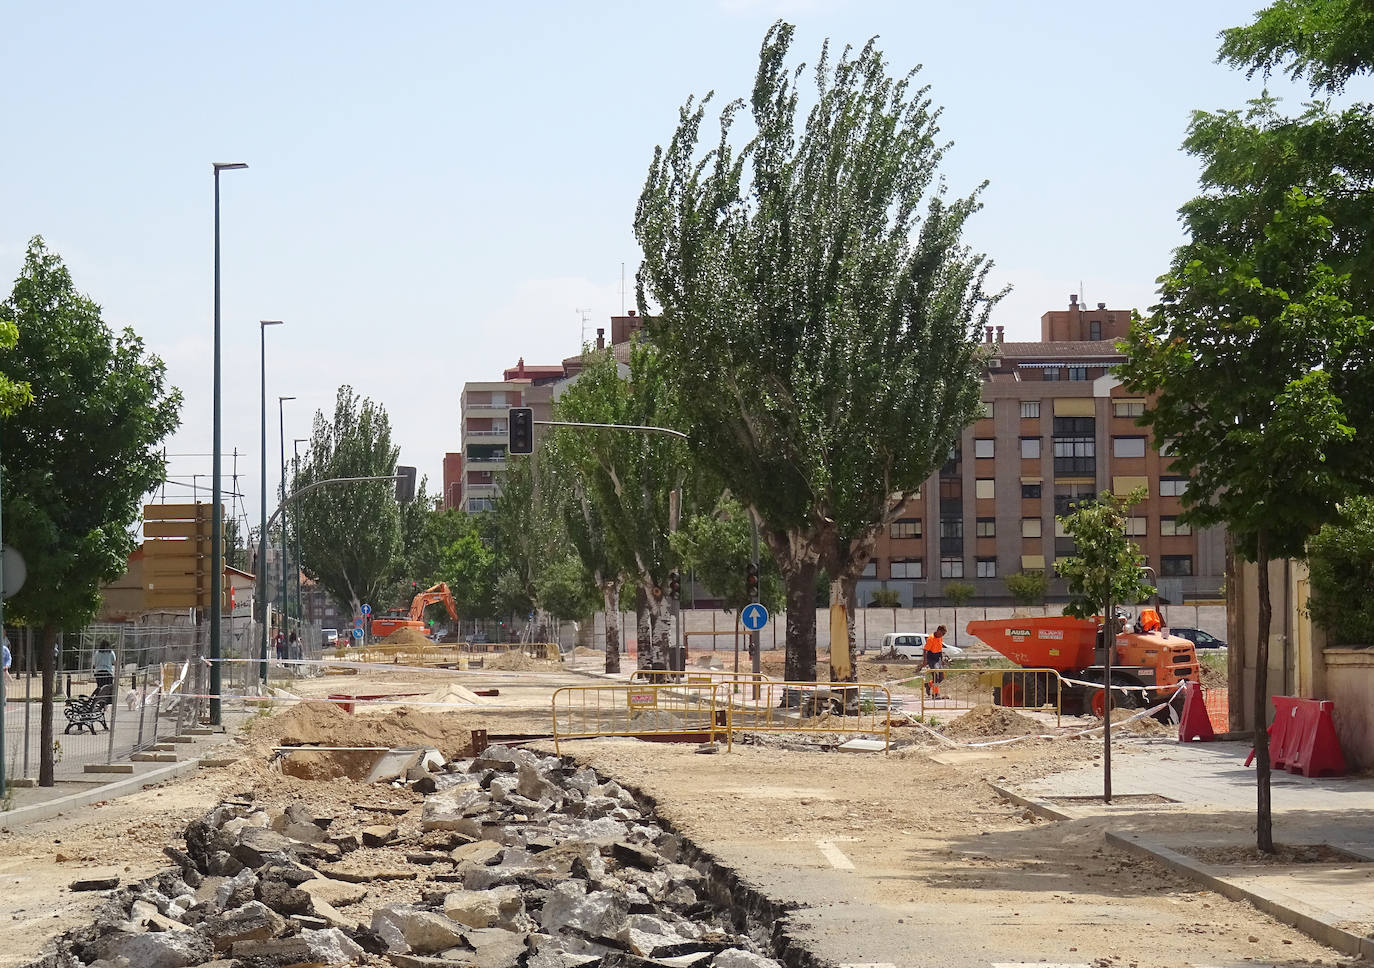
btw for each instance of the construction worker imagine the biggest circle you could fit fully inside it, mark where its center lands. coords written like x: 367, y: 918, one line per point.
x: 935, y: 656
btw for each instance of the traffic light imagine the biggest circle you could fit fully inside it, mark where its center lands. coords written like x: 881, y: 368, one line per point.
x: 674, y: 585
x: 521, y: 430
x: 751, y: 581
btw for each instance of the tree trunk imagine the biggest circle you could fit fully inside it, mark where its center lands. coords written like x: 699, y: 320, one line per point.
x: 643, y: 645
x: 48, y: 664
x: 660, y: 631
x: 610, y: 594
x: 801, y: 621
x: 1264, y: 821
x: 845, y: 591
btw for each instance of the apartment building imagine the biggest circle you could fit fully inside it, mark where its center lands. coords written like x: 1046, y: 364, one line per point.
x: 1056, y: 427
x: 472, y: 478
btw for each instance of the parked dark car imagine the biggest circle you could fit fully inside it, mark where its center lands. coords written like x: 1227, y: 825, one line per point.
x: 1199, y: 638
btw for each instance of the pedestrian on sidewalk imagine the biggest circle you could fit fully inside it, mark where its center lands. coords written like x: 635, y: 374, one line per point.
x: 104, y: 664
x: 6, y: 658
x: 281, y: 645
x: 293, y: 647
x: 935, y: 657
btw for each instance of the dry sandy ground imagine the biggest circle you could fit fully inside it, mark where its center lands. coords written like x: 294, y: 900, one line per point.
x: 935, y: 849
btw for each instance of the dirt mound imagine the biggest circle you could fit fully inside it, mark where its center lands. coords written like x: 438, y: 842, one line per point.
x: 325, y: 724
x: 1145, y: 725
x: 583, y: 650
x: 1212, y: 677
x: 992, y: 721
x: 407, y: 637
x: 518, y: 662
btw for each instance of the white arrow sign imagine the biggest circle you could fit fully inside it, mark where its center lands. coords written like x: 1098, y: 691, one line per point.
x: 754, y: 617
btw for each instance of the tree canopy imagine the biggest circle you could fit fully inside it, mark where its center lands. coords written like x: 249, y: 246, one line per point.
x: 817, y: 307
x: 1107, y: 569
x: 350, y: 533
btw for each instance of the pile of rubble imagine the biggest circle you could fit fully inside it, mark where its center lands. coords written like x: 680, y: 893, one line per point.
x: 508, y: 859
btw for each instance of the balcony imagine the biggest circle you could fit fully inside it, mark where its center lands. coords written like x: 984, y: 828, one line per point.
x: 492, y: 434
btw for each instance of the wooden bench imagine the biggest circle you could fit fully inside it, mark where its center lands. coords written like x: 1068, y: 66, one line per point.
x: 83, y: 712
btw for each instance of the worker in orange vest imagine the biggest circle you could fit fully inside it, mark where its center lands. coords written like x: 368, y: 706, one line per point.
x: 935, y: 657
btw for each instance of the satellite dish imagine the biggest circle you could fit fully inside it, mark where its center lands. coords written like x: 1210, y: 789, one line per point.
x: 15, y: 572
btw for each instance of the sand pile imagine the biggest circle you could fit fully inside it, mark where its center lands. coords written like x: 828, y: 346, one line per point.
x: 1211, y: 677
x: 325, y: 724
x: 992, y: 721
x: 407, y: 637
x: 518, y: 662
x: 453, y: 694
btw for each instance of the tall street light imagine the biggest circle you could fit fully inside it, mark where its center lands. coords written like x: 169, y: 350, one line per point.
x: 281, y: 424
x: 295, y: 447
x: 262, y: 534
x: 216, y: 525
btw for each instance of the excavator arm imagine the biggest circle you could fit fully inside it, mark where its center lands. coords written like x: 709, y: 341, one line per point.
x: 430, y: 596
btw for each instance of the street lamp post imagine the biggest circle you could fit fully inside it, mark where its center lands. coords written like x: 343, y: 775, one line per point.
x: 281, y: 427
x: 216, y: 525
x: 262, y: 535
x: 296, y: 473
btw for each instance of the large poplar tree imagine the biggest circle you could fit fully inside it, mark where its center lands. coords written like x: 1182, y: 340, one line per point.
x: 817, y: 307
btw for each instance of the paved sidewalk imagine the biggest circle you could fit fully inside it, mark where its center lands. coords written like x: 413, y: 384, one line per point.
x: 1194, y: 809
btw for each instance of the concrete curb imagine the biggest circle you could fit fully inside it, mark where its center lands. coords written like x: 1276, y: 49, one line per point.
x: 106, y: 791
x: 1311, y: 921
x: 1041, y: 808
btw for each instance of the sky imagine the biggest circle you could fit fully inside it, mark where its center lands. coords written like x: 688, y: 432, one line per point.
x: 436, y: 190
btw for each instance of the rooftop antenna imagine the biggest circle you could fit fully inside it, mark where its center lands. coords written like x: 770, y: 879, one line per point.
x: 586, y: 315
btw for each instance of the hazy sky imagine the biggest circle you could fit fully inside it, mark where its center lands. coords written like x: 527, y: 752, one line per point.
x: 438, y: 189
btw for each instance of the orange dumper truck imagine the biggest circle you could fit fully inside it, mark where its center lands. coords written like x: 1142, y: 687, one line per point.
x: 1146, y: 656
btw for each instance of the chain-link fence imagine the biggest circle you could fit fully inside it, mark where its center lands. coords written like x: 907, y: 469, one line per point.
x: 121, y: 689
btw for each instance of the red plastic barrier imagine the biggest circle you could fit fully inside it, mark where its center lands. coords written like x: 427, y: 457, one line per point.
x: 1303, y: 739
x: 1194, y: 726
x: 1315, y: 750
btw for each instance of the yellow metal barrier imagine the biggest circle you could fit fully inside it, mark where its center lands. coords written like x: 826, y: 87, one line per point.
x: 859, y: 708
x: 636, y: 709
x: 697, y: 677
x: 959, y: 690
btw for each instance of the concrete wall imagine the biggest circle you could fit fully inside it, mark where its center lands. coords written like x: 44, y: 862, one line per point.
x: 871, y: 624
x: 1350, y: 685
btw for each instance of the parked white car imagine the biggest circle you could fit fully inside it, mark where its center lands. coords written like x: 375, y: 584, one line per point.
x: 911, y: 645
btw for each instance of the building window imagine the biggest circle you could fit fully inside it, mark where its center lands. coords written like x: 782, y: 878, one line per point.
x: 1173, y: 527
x: 951, y: 489
x: 952, y: 528
x: 985, y: 410
x: 985, y: 568
x: 1067, y: 496
x: 1051, y: 373
x: 871, y: 569
x: 1030, y: 448
x: 498, y: 398
x: 983, y: 447
x: 951, y: 567
x: 1075, y: 455
x: 1030, y: 527
x: 1172, y: 486
x: 1128, y: 446
x: 906, y: 528
x: 1094, y: 329
x: 1078, y: 373
x: 907, y: 568
x: 1128, y: 408
x: 1030, y: 492
x: 983, y: 488
x: 1175, y: 566
x: 1030, y: 408
x: 985, y: 528
x: 1136, y: 527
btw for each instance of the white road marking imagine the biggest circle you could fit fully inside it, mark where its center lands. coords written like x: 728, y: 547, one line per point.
x: 1036, y: 964
x: 836, y: 856
x: 870, y: 964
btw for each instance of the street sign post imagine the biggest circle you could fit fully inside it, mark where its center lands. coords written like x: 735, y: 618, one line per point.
x: 754, y: 617
x: 366, y: 609
x: 357, y: 633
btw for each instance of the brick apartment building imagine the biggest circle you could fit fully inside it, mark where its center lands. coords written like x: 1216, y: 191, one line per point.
x: 472, y: 477
x: 1057, y: 427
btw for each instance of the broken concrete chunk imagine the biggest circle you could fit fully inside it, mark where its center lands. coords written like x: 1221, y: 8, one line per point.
x: 481, y: 852
x: 345, y: 842
x: 379, y: 835
x: 499, y: 907
x: 639, y: 857
x: 95, y: 884
x: 254, y: 921
x: 337, y: 893
x: 449, y: 810
x: 739, y: 958
x: 236, y: 891
x: 408, y: 929
x: 533, y: 785
x: 161, y: 949
x: 598, y: 913
x: 496, y: 948
x: 331, y: 946
x: 306, y: 833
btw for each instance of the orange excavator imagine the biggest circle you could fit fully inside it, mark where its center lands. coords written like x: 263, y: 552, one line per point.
x: 384, y: 625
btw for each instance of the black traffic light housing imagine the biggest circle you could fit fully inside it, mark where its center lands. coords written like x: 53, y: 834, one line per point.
x: 521, y: 430
x: 751, y: 581
x: 674, y: 585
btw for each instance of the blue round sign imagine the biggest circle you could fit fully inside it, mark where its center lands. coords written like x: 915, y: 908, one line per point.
x: 366, y: 609
x: 754, y: 617
x: 357, y: 633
